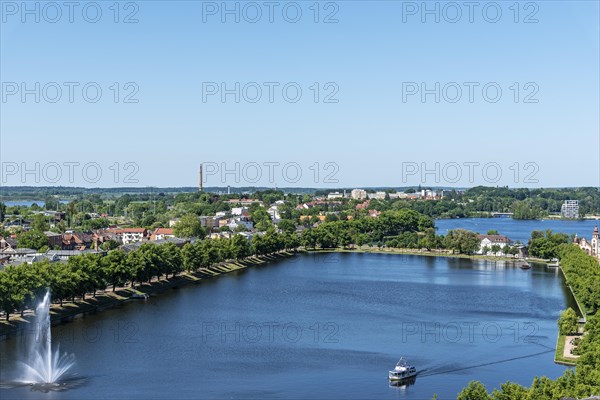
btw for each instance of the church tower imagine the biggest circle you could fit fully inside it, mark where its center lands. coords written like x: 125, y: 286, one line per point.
x: 595, y: 242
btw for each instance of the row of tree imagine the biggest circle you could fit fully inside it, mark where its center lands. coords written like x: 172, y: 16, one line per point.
x: 20, y: 285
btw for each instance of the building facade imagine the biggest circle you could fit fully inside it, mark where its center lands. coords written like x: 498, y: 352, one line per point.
x: 358, y: 194
x: 591, y: 247
x: 570, y: 209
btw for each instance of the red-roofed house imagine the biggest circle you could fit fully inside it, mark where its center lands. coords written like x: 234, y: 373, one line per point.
x: 491, y: 240
x: 162, y: 233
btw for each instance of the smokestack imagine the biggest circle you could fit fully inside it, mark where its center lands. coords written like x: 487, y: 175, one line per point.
x: 200, y: 186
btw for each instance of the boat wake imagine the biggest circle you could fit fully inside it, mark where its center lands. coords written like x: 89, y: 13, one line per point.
x: 455, y: 369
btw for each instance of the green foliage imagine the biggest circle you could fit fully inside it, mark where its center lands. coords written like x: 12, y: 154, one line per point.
x: 510, y: 391
x: 567, y: 323
x: 526, y: 210
x: 39, y: 223
x: 546, y: 244
x: 32, y: 240
x: 475, y: 390
x: 582, y: 273
x: 189, y: 226
x: 462, y: 241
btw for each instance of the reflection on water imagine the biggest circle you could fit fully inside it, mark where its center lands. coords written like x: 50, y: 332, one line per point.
x: 65, y: 384
x: 404, y: 383
x: 317, y: 327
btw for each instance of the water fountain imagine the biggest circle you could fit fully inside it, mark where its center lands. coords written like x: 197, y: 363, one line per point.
x: 44, y: 367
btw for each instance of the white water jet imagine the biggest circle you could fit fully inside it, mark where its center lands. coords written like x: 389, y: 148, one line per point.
x: 43, y: 366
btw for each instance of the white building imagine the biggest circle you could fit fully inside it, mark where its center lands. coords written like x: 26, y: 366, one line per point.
x: 335, y: 195
x: 129, y: 235
x: 593, y: 246
x: 358, y: 194
x: 273, y: 212
x: 238, y: 210
x: 162, y: 233
x: 240, y: 221
x: 377, y: 195
x: 487, y: 241
x: 570, y: 209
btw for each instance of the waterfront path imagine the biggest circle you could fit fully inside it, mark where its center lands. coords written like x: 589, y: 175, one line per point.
x: 568, y: 347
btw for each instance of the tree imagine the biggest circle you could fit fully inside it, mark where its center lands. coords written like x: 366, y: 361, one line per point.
x: 240, y: 247
x: 192, y: 260
x: 475, y: 390
x: 39, y: 223
x: 287, y: 226
x: 568, y: 322
x: 492, y: 232
x: 116, y: 269
x: 189, y: 226
x: 32, y: 240
x: 496, y: 248
x: 109, y: 245
x: 510, y: 391
x: 462, y: 241
x: 546, y: 244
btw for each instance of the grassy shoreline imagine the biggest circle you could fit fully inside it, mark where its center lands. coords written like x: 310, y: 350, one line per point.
x: 560, y: 349
x: 376, y: 250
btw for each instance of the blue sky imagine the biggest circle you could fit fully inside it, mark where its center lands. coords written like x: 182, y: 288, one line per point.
x: 376, y: 134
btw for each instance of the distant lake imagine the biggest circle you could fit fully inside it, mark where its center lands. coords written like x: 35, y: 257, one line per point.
x: 29, y: 203
x: 319, y: 326
x: 517, y: 229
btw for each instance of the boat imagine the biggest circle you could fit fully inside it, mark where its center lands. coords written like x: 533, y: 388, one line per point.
x: 402, y: 371
x: 525, y: 265
x: 141, y: 296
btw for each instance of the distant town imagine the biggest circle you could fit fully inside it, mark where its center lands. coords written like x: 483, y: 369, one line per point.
x: 94, y: 224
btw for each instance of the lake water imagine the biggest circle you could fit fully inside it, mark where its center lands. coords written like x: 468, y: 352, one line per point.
x: 517, y: 229
x: 29, y: 203
x: 326, y: 326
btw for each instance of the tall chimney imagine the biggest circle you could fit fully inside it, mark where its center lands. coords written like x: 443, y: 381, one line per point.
x: 200, y: 187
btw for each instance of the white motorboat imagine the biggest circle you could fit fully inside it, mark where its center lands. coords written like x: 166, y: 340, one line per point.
x: 402, y: 371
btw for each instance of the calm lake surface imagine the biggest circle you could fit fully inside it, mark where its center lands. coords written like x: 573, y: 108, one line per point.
x: 29, y: 203
x: 326, y: 326
x: 517, y: 229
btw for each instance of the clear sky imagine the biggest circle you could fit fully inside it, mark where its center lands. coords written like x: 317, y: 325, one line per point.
x: 367, y: 124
